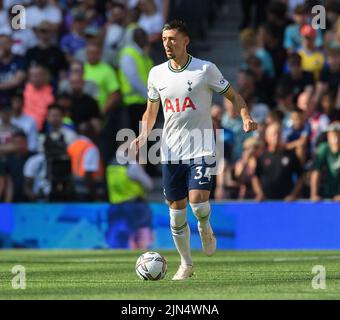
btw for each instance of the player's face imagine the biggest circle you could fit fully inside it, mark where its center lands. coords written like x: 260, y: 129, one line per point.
x: 175, y: 43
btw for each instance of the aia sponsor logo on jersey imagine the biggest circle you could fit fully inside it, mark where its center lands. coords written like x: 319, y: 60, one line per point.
x: 177, y: 106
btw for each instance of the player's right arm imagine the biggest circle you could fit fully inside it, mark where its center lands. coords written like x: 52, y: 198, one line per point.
x: 148, y: 122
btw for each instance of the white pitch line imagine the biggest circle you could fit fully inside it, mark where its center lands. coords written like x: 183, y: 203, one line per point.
x: 306, y: 258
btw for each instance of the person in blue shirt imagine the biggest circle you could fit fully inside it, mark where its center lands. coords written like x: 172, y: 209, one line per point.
x: 73, y: 41
x: 292, y: 36
x: 297, y: 137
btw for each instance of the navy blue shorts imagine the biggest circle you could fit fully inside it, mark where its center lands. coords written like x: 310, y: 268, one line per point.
x: 194, y: 174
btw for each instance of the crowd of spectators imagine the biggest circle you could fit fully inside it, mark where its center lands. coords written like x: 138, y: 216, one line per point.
x: 76, y: 75
x: 69, y: 80
x: 290, y: 79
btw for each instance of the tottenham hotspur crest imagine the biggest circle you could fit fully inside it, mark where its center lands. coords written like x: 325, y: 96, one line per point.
x: 189, y: 84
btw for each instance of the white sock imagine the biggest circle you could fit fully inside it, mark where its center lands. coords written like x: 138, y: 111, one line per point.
x: 202, y: 212
x: 181, y: 234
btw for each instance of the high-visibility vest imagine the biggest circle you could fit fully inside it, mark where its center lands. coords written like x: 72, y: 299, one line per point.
x: 76, y: 151
x: 144, y: 65
x: 120, y: 187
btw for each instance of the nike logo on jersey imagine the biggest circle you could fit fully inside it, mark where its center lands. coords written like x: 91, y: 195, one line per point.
x: 203, y: 182
x: 161, y: 89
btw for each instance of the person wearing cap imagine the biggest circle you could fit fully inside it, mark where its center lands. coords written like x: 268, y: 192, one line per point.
x: 12, y: 74
x: 325, y: 176
x: 74, y: 40
x: 292, y: 36
x: 312, y: 59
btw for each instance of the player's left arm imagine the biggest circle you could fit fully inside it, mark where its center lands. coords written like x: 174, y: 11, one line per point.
x: 240, y: 105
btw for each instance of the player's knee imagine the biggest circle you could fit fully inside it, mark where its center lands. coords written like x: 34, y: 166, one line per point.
x: 201, y: 210
x: 178, y: 218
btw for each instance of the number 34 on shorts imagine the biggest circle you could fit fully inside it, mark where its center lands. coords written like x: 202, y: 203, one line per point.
x: 206, y: 175
x: 178, y: 179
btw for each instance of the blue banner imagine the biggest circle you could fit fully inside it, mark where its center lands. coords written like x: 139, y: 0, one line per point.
x: 247, y: 225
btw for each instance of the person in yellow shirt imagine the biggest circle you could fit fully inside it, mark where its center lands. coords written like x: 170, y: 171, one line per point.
x: 103, y: 76
x: 312, y: 59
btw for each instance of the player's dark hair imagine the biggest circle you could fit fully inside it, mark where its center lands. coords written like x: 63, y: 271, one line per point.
x: 179, y: 25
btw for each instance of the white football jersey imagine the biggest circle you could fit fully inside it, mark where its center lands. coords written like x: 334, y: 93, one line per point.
x: 186, y: 97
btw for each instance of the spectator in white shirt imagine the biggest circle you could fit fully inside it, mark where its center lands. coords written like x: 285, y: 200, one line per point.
x: 115, y: 27
x: 43, y: 11
x: 151, y: 20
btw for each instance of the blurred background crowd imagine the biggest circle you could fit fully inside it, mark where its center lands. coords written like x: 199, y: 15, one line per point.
x: 77, y: 74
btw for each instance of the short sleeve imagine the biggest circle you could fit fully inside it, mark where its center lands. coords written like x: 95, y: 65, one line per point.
x: 153, y: 94
x: 216, y: 81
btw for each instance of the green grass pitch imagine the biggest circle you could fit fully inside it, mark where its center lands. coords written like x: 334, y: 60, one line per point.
x: 106, y: 274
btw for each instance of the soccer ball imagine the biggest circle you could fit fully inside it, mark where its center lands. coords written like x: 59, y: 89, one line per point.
x: 151, y: 266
